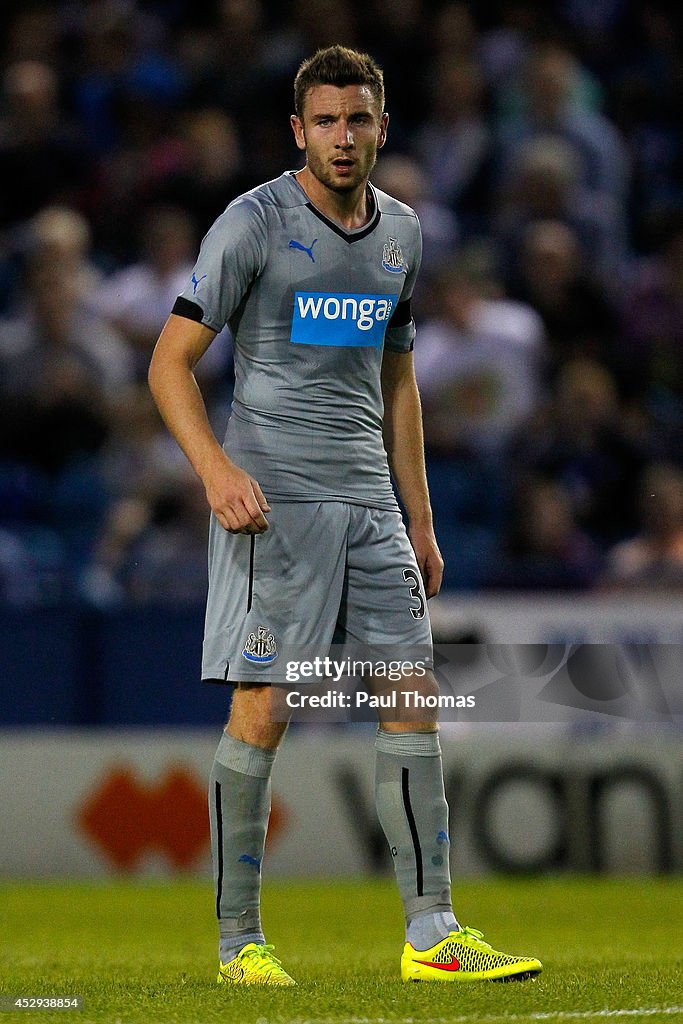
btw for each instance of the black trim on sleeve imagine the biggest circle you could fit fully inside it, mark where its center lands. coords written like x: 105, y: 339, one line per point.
x: 397, y: 348
x: 402, y: 315
x: 190, y: 310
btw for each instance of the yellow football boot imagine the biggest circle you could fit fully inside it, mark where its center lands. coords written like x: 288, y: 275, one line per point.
x: 464, y: 956
x: 254, y: 965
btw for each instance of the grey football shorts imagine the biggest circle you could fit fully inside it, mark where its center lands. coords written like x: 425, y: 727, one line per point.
x: 325, y: 572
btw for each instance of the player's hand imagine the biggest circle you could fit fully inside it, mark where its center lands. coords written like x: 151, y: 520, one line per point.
x: 429, y: 560
x: 236, y: 499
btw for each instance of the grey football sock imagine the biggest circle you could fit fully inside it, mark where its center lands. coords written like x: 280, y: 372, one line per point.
x: 425, y: 930
x: 239, y: 806
x: 412, y: 809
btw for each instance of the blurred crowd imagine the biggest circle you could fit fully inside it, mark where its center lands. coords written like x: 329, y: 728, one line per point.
x: 540, y: 144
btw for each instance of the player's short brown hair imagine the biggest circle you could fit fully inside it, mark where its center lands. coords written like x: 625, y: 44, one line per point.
x: 340, y: 66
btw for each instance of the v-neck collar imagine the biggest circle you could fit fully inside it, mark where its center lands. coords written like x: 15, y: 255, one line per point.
x: 354, y: 235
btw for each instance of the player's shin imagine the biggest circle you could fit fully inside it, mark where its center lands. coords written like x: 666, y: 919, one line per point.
x: 239, y: 806
x: 412, y: 809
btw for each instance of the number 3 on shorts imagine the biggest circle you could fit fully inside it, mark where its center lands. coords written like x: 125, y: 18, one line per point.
x: 410, y: 576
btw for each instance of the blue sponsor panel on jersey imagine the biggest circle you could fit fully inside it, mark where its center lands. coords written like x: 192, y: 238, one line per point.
x: 341, y: 318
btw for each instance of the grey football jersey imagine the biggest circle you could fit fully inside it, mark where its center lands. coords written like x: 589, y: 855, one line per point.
x: 310, y: 307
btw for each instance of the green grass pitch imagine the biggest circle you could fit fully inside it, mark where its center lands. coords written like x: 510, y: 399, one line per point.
x: 146, y: 952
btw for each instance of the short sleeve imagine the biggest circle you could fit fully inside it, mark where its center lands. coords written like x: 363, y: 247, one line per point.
x: 400, y: 336
x: 231, y: 256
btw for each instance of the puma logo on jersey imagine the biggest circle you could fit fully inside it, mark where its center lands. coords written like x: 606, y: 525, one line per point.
x: 293, y: 244
x: 196, y: 283
x: 328, y: 318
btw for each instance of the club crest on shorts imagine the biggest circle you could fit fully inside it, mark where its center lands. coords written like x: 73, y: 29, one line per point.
x: 392, y: 257
x: 260, y: 647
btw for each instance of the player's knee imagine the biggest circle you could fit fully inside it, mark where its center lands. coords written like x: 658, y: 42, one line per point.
x: 412, y: 708
x: 419, y: 691
x: 253, y: 718
x: 425, y: 685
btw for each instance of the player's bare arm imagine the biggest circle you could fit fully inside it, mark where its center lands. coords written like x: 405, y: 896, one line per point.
x: 404, y: 442
x: 235, y: 498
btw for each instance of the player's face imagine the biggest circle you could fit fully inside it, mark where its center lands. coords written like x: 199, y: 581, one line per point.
x: 341, y: 131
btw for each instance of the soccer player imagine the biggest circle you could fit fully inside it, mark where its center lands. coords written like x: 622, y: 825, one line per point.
x: 314, y: 273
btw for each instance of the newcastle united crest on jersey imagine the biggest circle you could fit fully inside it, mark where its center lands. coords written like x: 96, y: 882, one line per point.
x: 260, y: 647
x: 392, y: 257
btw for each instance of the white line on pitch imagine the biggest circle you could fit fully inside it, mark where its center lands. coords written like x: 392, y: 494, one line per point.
x: 550, y: 1015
